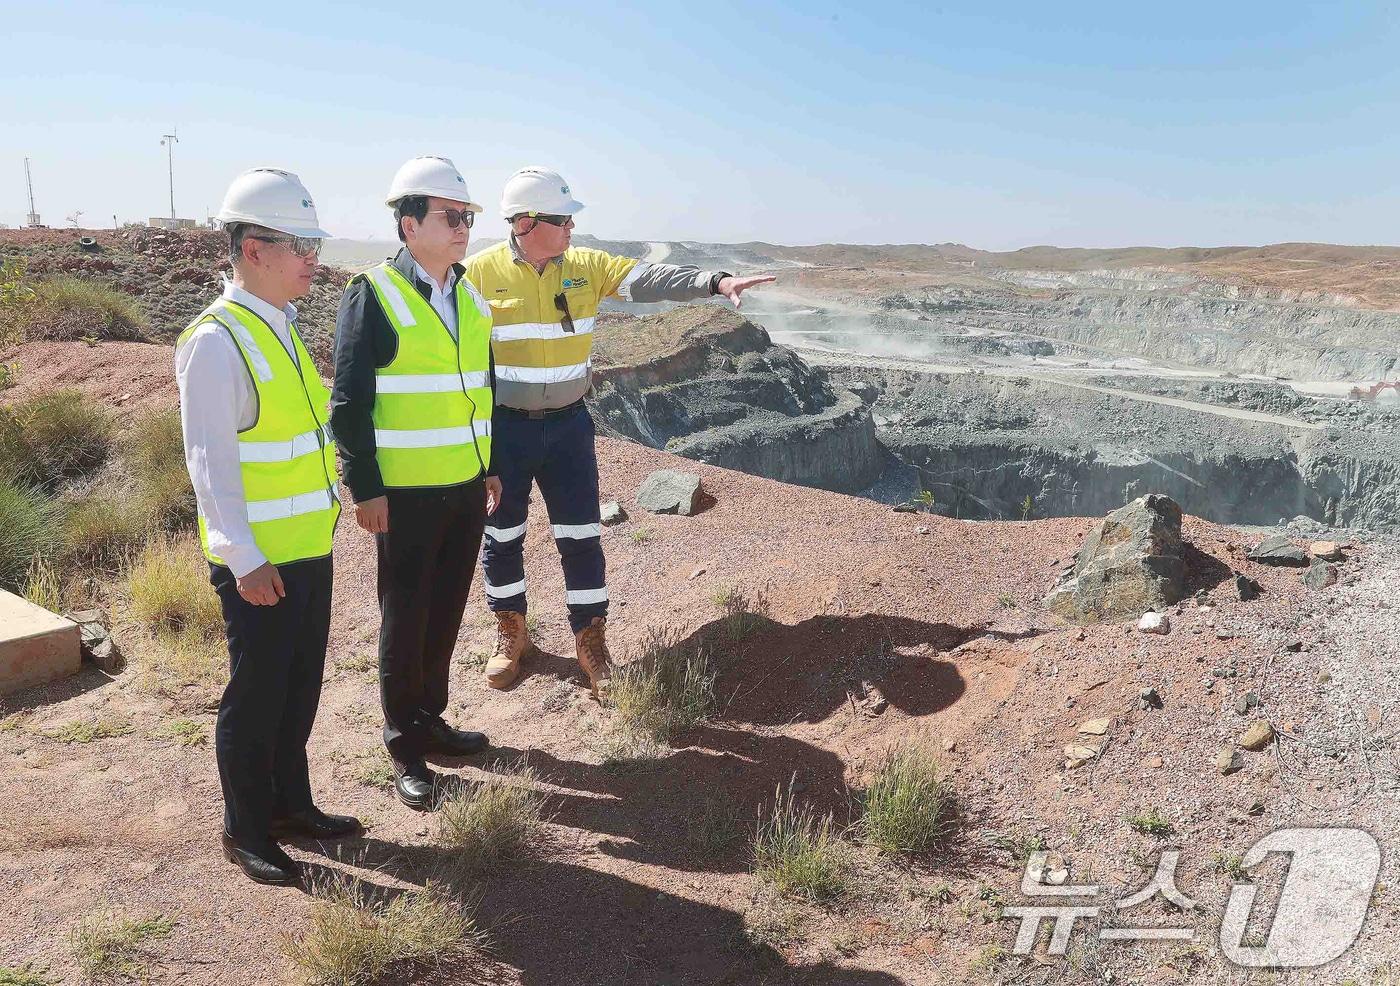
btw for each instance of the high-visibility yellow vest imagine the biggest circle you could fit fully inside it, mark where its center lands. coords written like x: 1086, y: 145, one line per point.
x: 540, y: 364
x: 432, y: 403
x: 287, y: 457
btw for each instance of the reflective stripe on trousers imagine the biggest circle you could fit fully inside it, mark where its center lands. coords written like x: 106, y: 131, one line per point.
x: 557, y: 453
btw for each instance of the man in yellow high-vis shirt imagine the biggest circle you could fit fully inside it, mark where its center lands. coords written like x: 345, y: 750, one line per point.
x: 253, y: 412
x: 544, y: 295
x: 411, y: 410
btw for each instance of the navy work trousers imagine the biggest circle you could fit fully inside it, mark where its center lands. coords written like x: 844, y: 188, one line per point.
x: 555, y: 451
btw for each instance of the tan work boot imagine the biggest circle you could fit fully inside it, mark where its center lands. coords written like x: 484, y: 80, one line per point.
x: 512, y: 644
x: 592, y: 645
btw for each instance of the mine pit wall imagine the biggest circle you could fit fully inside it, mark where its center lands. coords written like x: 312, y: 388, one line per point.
x: 1242, y: 334
x: 738, y: 401
x: 981, y: 444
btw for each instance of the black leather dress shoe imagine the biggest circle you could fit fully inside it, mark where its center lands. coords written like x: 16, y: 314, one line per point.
x: 266, y: 864
x: 445, y: 740
x: 314, y: 823
x: 414, y: 784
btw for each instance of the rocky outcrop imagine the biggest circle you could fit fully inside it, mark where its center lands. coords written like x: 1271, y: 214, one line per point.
x: 705, y: 383
x: 1132, y: 561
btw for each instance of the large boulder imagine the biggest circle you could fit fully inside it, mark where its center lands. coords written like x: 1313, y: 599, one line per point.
x: 1131, y: 563
x: 668, y: 491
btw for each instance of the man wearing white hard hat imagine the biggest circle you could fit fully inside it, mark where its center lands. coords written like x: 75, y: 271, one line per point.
x: 253, y: 412
x: 411, y: 410
x: 544, y: 295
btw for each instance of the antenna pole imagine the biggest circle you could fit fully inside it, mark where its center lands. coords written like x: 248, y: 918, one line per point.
x: 169, y: 141
x: 29, y: 181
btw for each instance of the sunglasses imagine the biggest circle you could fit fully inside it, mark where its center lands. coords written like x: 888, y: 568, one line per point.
x: 562, y: 304
x: 456, y: 217
x: 560, y: 221
x: 300, y: 246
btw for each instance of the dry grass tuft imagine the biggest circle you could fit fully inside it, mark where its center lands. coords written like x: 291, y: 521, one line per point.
x: 496, y: 820
x: 907, y: 804
x: 170, y: 597
x: 53, y: 438
x: 800, y: 855
x: 666, y: 691
x: 68, y: 308
x: 351, y: 942
x: 154, y: 451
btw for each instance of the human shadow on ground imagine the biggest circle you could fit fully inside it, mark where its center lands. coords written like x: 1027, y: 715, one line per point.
x: 557, y: 922
x: 773, y: 674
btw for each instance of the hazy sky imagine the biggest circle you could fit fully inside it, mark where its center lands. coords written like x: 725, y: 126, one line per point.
x: 994, y: 124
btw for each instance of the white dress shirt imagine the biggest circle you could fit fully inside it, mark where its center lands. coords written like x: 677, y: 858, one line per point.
x: 443, y: 299
x: 217, y: 400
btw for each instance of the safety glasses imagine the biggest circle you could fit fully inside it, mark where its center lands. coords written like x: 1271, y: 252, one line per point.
x: 300, y: 246
x: 456, y: 217
x: 559, y: 221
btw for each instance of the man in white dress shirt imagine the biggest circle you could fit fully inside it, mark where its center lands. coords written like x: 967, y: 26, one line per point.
x: 262, y: 463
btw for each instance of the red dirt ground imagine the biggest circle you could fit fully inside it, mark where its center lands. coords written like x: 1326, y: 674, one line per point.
x: 942, y: 615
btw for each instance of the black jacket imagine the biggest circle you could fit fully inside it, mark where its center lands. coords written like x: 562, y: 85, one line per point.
x: 364, y: 342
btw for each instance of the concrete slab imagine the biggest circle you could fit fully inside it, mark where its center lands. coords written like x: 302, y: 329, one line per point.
x: 35, y: 645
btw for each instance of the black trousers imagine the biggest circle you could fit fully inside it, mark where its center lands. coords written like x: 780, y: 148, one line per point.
x: 425, y: 571
x: 277, y: 656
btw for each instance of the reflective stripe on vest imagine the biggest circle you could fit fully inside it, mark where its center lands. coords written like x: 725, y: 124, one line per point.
x: 287, y: 458
x: 432, y: 403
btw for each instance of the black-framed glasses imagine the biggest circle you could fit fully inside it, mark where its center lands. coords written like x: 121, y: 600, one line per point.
x: 301, y: 246
x: 562, y: 303
x: 560, y: 221
x: 456, y: 217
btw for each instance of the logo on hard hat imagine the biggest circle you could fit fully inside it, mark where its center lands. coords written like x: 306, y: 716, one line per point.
x: 564, y: 189
x: 460, y: 180
x: 306, y: 203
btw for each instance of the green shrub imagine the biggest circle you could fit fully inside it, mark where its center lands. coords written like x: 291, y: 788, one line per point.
x: 55, y: 437
x: 70, y: 308
x: 28, y: 530
x: 906, y: 806
x: 668, y: 690
x: 799, y: 854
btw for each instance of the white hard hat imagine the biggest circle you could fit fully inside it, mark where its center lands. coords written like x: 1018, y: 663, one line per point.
x: 538, y: 190
x: 273, y: 198
x: 435, y: 176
